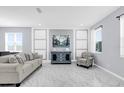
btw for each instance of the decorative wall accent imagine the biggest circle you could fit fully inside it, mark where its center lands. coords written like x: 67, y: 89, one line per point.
x: 61, y: 41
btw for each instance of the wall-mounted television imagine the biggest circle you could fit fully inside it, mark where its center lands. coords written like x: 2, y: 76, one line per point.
x: 61, y: 41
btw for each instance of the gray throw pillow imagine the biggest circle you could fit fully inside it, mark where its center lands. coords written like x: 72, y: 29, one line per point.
x: 27, y: 57
x: 12, y: 59
x: 35, y: 55
x: 20, y: 59
x: 31, y: 56
x: 22, y: 56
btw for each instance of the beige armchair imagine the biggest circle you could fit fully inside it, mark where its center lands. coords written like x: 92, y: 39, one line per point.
x: 86, y: 60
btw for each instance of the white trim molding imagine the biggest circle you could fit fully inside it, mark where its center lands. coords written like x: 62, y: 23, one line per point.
x: 49, y: 61
x: 112, y: 73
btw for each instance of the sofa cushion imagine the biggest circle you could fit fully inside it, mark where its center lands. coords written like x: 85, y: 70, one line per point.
x: 34, y: 63
x: 4, y: 59
x: 12, y: 59
x: 39, y: 61
x: 27, y: 69
x: 20, y: 59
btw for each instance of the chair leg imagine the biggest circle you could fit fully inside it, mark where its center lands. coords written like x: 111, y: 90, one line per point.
x: 91, y: 65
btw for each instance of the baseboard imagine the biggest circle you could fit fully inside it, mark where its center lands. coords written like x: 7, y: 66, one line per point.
x: 112, y: 73
x: 49, y: 61
x: 73, y: 60
x: 46, y: 61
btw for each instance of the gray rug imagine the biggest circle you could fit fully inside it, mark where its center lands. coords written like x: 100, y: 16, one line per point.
x: 70, y: 75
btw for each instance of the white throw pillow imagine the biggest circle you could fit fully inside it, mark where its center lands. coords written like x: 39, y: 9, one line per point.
x: 12, y: 59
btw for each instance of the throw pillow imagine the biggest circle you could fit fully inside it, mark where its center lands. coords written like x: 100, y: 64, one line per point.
x: 35, y: 55
x: 20, y: 59
x: 12, y: 59
x: 22, y: 56
x: 27, y: 57
x: 31, y: 56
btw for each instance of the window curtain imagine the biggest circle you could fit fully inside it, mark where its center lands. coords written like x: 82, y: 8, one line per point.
x: 122, y: 35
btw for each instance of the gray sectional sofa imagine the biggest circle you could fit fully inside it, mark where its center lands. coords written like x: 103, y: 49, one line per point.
x: 12, y: 72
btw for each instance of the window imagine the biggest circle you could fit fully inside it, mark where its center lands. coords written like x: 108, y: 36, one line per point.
x: 40, y: 42
x: 122, y: 36
x: 98, y: 39
x: 13, y: 41
x: 81, y: 41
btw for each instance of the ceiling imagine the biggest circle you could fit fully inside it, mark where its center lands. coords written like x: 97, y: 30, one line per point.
x: 53, y: 16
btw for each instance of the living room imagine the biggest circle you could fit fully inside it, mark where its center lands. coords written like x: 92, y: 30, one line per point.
x: 61, y: 46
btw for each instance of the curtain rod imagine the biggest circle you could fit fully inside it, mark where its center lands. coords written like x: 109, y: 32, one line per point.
x: 99, y: 27
x: 118, y: 17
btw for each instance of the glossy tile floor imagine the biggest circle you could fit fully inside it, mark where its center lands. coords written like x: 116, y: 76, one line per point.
x: 70, y: 75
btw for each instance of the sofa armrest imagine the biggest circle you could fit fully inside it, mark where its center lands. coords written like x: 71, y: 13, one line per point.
x: 10, y: 67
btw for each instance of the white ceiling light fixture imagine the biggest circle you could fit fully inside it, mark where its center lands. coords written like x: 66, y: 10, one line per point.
x: 39, y: 24
x: 81, y: 24
x: 39, y: 10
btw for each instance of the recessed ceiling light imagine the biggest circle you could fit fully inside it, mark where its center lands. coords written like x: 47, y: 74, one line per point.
x: 81, y: 24
x: 39, y: 24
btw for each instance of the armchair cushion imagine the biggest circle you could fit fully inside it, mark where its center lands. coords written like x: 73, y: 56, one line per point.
x: 86, y: 54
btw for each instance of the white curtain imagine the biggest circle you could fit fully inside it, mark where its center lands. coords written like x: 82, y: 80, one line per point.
x: 122, y: 35
x: 93, y: 41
